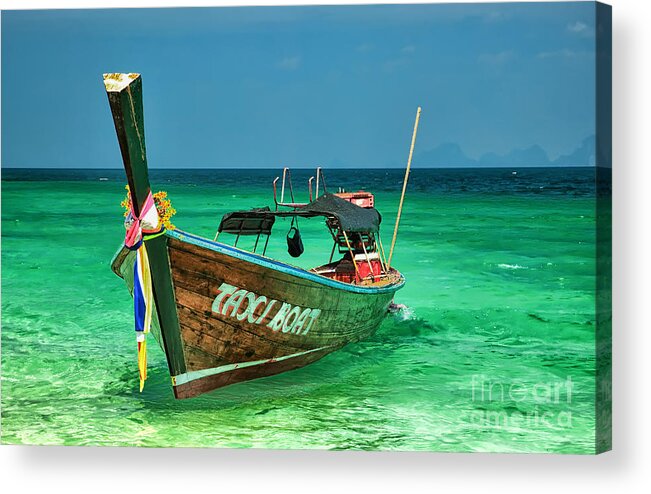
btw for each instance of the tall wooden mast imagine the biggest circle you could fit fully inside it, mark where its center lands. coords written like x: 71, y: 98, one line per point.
x: 125, y: 98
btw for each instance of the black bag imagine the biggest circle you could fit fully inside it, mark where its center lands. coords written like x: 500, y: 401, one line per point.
x: 294, y: 241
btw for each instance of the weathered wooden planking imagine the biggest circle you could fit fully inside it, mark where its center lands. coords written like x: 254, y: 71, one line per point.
x: 198, y: 273
x: 200, y: 302
x: 206, y: 267
x: 218, y: 343
x: 199, y: 287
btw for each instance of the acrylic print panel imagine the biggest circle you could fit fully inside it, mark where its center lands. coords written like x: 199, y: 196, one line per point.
x: 291, y: 309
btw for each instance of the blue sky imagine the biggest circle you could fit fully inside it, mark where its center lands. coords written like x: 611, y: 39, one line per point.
x: 301, y: 86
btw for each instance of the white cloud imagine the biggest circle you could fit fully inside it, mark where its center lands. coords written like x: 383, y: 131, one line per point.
x: 408, y: 49
x: 580, y: 29
x: 564, y: 53
x: 577, y: 27
x: 364, y: 47
x: 289, y: 63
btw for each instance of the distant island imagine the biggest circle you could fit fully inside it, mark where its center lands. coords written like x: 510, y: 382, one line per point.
x: 451, y: 155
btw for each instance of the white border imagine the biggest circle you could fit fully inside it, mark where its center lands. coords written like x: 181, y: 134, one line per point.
x: 110, y: 470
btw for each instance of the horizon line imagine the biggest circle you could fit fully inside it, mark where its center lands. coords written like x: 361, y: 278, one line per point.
x: 461, y: 167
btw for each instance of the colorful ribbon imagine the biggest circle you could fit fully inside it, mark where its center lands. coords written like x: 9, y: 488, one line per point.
x: 143, y: 304
x: 147, y: 222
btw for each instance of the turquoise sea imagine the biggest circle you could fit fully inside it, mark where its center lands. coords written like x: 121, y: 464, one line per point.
x: 495, y: 351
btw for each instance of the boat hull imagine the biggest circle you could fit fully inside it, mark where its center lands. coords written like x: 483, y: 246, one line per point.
x: 242, y: 316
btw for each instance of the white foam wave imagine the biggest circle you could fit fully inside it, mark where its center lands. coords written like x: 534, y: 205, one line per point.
x: 511, y: 266
x: 404, y: 313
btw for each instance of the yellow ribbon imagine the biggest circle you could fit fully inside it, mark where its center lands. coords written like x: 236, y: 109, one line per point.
x: 145, y: 274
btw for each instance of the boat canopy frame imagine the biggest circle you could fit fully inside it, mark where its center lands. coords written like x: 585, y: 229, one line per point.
x: 348, y: 224
x: 340, y: 215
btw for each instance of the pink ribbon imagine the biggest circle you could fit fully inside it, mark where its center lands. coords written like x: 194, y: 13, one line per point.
x: 134, y: 230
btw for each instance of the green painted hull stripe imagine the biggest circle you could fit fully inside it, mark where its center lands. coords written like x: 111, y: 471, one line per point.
x: 194, y: 375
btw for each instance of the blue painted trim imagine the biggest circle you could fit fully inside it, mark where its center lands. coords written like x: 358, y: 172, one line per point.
x: 278, y: 266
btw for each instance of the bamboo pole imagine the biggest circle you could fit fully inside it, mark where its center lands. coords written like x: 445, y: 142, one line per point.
x: 352, y: 253
x: 282, y: 190
x: 404, y: 187
x: 384, y: 257
x: 368, y: 260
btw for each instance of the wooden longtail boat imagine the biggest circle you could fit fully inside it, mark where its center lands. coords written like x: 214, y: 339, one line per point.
x: 225, y: 315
